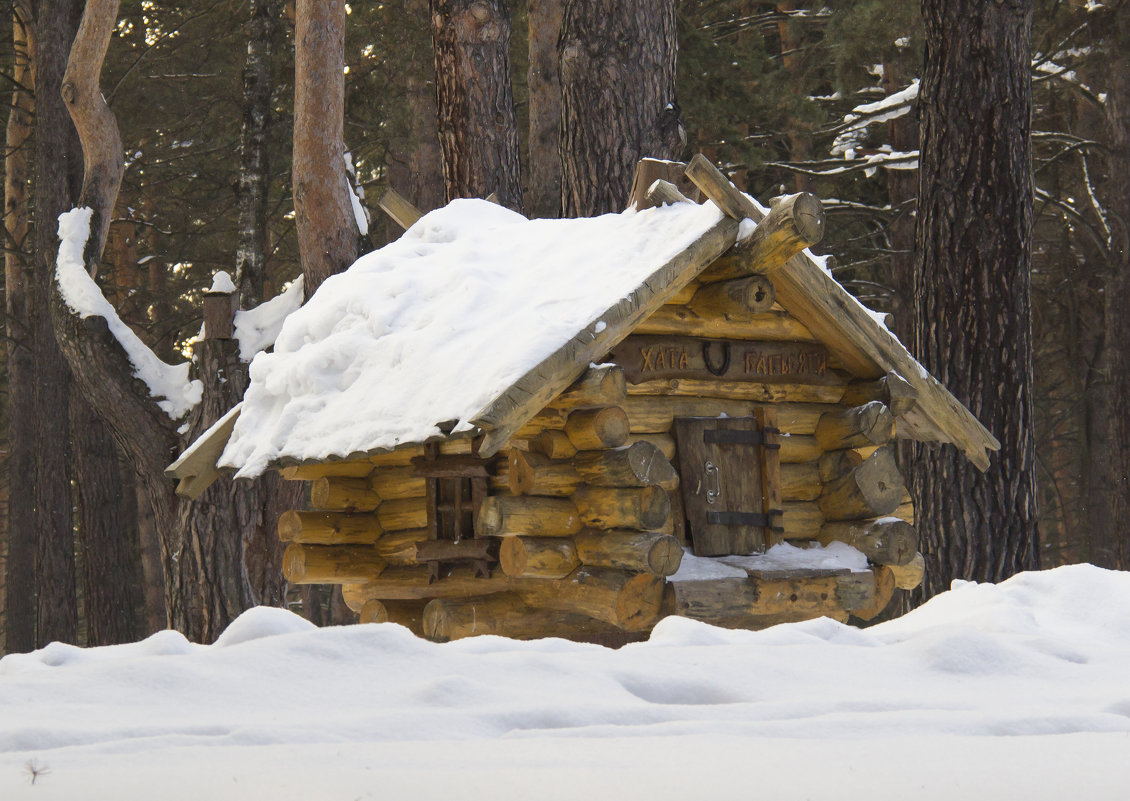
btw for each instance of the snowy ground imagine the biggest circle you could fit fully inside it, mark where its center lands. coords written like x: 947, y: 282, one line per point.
x: 1015, y: 691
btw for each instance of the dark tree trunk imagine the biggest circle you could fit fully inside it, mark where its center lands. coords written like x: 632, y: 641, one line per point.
x: 617, y: 73
x: 58, y: 181
x: 902, y: 190
x: 108, y: 543
x: 327, y: 230
x: 543, y: 185
x: 19, y: 578
x: 1108, y: 398
x: 478, y: 130
x: 973, y: 284
x: 414, y: 160
x: 254, y: 168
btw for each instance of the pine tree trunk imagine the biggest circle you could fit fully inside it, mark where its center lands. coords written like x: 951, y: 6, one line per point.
x: 327, y: 230
x: 617, y: 73
x: 973, y: 285
x: 19, y: 578
x: 1108, y: 501
x: 478, y: 130
x: 58, y: 182
x: 543, y: 186
x: 108, y: 542
x: 254, y: 167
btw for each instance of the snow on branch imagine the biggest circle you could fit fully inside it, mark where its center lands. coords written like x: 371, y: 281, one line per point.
x: 863, y: 116
x: 168, y: 384
x: 256, y: 329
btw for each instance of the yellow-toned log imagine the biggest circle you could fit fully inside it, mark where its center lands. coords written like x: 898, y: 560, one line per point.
x: 798, y: 448
x: 794, y: 222
x: 528, y: 515
x: 409, y: 614
x: 399, y: 547
x: 553, y: 444
x: 888, y: 541
x: 504, y: 615
x: 740, y: 390
x: 684, y: 295
x: 328, y: 528
x: 905, y: 512
x: 856, y: 427
x: 309, y: 472
x: 638, y: 551
x: 645, y: 508
x: 343, y: 495
x: 834, y: 464
x: 599, y: 386
x: 770, y: 326
x: 640, y: 464
x: 910, y: 575
x: 629, y: 601
x: 873, y: 489
x: 331, y: 564
x: 650, y: 415
x: 884, y: 591
x: 750, y: 602
x: 800, y: 482
x: 408, y: 583
x: 538, y: 557
x: 739, y: 299
x: 396, y: 515
x: 802, y: 520
x: 594, y: 429
x: 534, y: 474
x: 404, y: 456
x: 397, y: 482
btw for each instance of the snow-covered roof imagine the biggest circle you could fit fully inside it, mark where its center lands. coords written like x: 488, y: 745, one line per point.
x: 416, y: 339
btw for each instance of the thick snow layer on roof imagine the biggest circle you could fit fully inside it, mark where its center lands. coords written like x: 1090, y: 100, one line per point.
x: 436, y: 325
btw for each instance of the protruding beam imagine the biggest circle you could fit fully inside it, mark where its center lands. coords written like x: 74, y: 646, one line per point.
x: 638, y: 551
x: 640, y: 464
x: 910, y: 575
x: 604, y: 385
x: 856, y: 427
x: 794, y: 222
x: 736, y: 300
x: 873, y: 489
x: 663, y: 193
x: 888, y: 541
x: 630, y: 601
x: 538, y: 557
x: 595, y: 429
x: 396, y: 206
x: 331, y: 564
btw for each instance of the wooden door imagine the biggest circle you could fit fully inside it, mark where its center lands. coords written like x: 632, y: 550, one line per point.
x: 729, y: 473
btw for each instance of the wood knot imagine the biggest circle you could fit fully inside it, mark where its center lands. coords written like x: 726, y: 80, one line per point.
x: 69, y: 92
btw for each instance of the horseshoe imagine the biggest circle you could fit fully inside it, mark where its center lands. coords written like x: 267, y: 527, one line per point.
x: 718, y: 371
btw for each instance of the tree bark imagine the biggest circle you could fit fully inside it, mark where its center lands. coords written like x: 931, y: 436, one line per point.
x: 58, y: 177
x: 478, y: 131
x: 543, y: 185
x: 107, y: 541
x: 972, y: 285
x: 19, y: 579
x: 617, y: 73
x: 254, y: 166
x: 327, y: 230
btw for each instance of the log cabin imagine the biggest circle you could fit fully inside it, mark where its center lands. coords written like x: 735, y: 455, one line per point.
x: 575, y: 428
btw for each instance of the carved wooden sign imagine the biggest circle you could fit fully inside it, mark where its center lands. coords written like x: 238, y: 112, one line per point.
x: 646, y: 357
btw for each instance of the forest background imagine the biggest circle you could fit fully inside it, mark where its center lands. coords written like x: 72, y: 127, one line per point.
x: 786, y: 96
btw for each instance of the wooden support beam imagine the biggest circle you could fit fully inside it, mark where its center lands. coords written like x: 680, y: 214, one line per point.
x: 888, y: 541
x: 770, y: 326
x: 637, y: 551
x: 910, y: 575
x: 873, y: 489
x: 630, y: 601
x: 595, y: 429
x: 328, y: 528
x: 653, y: 415
x: 754, y: 391
x: 331, y: 564
x: 196, y: 469
x: 396, y: 206
x: 527, y: 515
x: 598, y: 386
x: 538, y: 557
x: 639, y: 464
x: 859, y: 426
x: 736, y: 300
x: 794, y: 222
x: 645, y: 508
